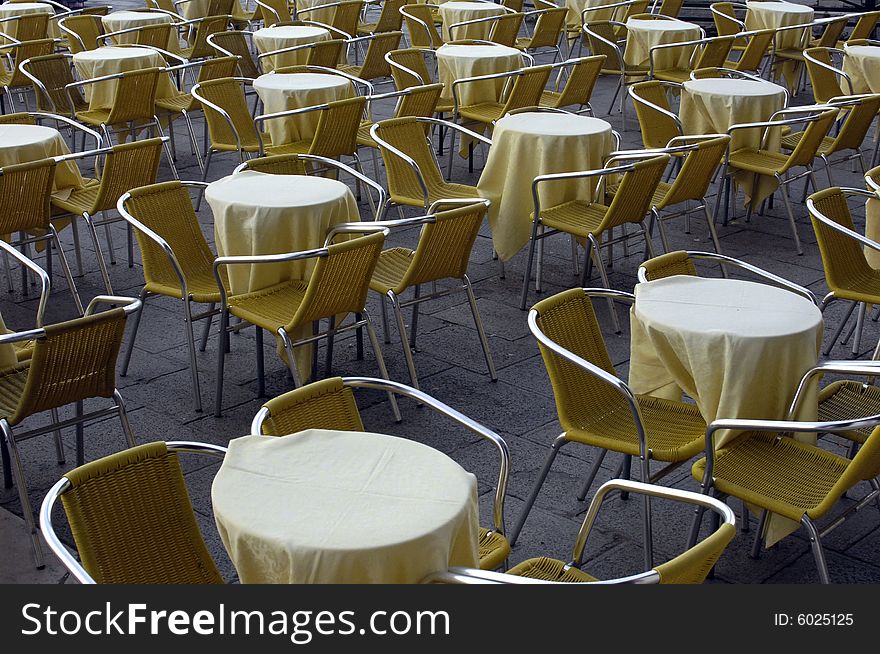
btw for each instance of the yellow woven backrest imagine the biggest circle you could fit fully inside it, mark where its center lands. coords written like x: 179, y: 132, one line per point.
x: 569, y: 320
x: 31, y: 27
x: 221, y: 7
x: 420, y: 26
x: 670, y: 8
x: 228, y: 94
x: 155, y: 36
x: 604, y: 29
x: 390, y: 18
x: 236, y: 43
x: 53, y: 71
x: 347, y: 15
x: 831, y: 33
x: 444, y: 246
x: 87, y: 27
x: 505, y: 29
x: 336, y: 133
x: 420, y: 101
x: 17, y: 119
x: 217, y: 67
x: 516, y: 5
x: 527, y: 88
x: 638, y: 7
x: 548, y: 27
x: 164, y: 5
x: 815, y: 131
x: 414, y: 60
x: 408, y: 136
x: 697, y: 171
x: 207, y: 26
x: 824, y: 82
x: 756, y: 48
x: 633, y: 197
x: 842, y: 256
x: 325, y: 404
x: 25, y: 194
x: 135, y: 96
x: 714, y: 52
x: 340, y: 281
x: 856, y: 124
x: 657, y: 128
x: 127, y: 166
x: 692, y: 566
x: 581, y: 81
x: 28, y: 49
x: 279, y: 164
x: 278, y: 11
x: 75, y: 360
x: 723, y: 25
x: 374, y: 61
x: 864, y: 27
x: 669, y: 264
x: 132, y: 520
x: 325, y: 53
x: 166, y: 208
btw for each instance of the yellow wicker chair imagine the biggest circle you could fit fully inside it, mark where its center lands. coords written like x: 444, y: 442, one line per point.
x: 320, y: 53
x: 374, y: 65
x: 594, y: 221
x: 50, y: 75
x: 832, y: 29
x: 200, y: 48
x: 671, y: 8
x: 390, y: 19
x: 235, y: 44
x: 157, y: 36
x: 408, y: 68
x: 177, y: 260
x: 503, y: 28
x: 690, y: 567
x: 707, y: 53
x: 330, y: 404
x: 864, y: 27
x: 728, y: 22
x: 817, y: 121
x: 82, y: 30
x: 72, y: 361
x: 420, y: 26
x: 346, y: 16
x: 602, y: 39
x: 847, y: 272
x: 132, y: 519
x: 338, y: 285
x: 596, y: 408
x: 547, y: 33
x: 658, y: 123
x: 751, y: 58
x: 28, y: 27
x: 272, y: 11
x: 442, y: 252
x: 828, y: 81
x: 14, y: 78
x: 582, y: 73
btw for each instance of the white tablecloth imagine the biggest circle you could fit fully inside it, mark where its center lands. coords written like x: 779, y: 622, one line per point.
x: 458, y: 12
x: 110, y: 60
x: 575, y: 7
x: 123, y: 20
x: 277, y: 37
x: 10, y: 9
x: 530, y: 144
x: 280, y: 92
x: 862, y: 64
x: 343, y: 507
x: 642, y: 35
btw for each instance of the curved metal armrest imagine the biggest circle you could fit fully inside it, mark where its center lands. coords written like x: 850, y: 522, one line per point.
x: 129, y: 305
x: 405, y: 157
x: 354, y: 228
x: 69, y: 123
x: 436, y: 206
x: 164, y: 53
x: 647, y: 153
x: 669, y: 114
x: 210, y: 40
x: 846, y: 367
x: 864, y: 240
x: 194, y: 91
x: 330, y: 28
x: 351, y: 78
x: 454, y: 126
x: 580, y: 174
x: 45, y: 282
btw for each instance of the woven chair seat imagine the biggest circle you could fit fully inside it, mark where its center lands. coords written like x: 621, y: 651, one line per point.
x: 791, y: 53
x: 202, y: 287
x: 629, y: 71
x: 437, y: 191
x: 574, y: 217
x: 763, y: 162
x: 675, y: 430
x: 656, y: 200
x: 12, y: 382
x: 81, y: 199
x: 485, y: 112
x: 363, y: 136
x: 297, y: 147
x: 350, y: 69
x: 549, y: 99
x: 782, y: 475
x: 677, y: 75
x: 269, y: 308
x: 98, y: 116
x: 5, y: 78
x: 444, y: 106
x: 863, y: 286
x: 391, y: 269
x: 177, y: 103
x: 848, y: 400
x: 365, y: 29
x: 494, y: 549
x: 24, y: 350
x: 790, y: 142
x: 547, y: 569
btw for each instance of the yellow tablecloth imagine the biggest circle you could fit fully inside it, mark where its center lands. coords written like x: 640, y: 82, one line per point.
x: 321, y: 16
x: 458, y: 12
x: 862, y: 64
x: 343, y: 507
x: 711, y: 106
x: 280, y: 92
x: 456, y: 62
x: 575, y: 7
x: 530, y: 144
x: 256, y: 213
x: 24, y: 143
x: 642, y: 35
x: 10, y: 9
x: 773, y: 15
x: 277, y: 37
x: 110, y: 60
x: 123, y: 20
x: 737, y: 348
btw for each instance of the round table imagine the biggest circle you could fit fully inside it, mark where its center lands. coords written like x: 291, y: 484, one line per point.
x: 326, y: 506
x: 110, y: 60
x: 10, y: 9
x: 773, y: 15
x: 25, y: 143
x: 642, y: 35
x: 283, y: 91
x: 123, y: 20
x: 537, y: 143
x: 456, y: 62
x: 458, y: 12
x: 277, y: 37
x: 576, y: 7
x: 862, y: 64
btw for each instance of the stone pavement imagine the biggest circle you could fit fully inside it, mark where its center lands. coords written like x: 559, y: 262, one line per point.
x: 519, y: 406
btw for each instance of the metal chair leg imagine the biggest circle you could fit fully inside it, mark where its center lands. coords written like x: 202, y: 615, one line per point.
x: 478, y: 322
x: 102, y: 265
x: 836, y: 335
x: 558, y: 443
x: 860, y: 324
x: 207, y: 328
x: 605, y: 282
x: 818, y: 552
x: 27, y: 509
x: 221, y: 356
x: 380, y: 360
x: 404, y: 340
x: 788, y: 209
x: 65, y: 267
x: 759, y: 534
x: 594, y: 470
x: 261, y: 370
x: 193, y: 362
x: 123, y: 418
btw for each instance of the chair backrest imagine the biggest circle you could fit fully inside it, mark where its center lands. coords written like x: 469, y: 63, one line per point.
x: 670, y: 8
x: 30, y: 27
x: 756, y: 47
x: 74, y: 361
x: 205, y: 27
x: 83, y: 31
x: 657, y: 127
x: 857, y: 123
x: 408, y: 136
x: 228, y: 94
x: 724, y: 17
x: 602, y: 39
x: 714, y: 52
x: 155, y: 36
x: 20, y: 118
x: 217, y: 68
x: 548, y: 27
x: 413, y: 60
x: 527, y: 88
x: 135, y: 96
x: 50, y: 75
x: 823, y: 78
x: 25, y: 195
x: 634, y: 196
x: 325, y: 53
x: 221, y: 7
x: 817, y: 129
x: 864, y: 27
x: 25, y: 51
x: 582, y: 78
x: 235, y: 43
x: 347, y: 15
x: 420, y: 26
x: 390, y: 18
x: 865, y: 466
x: 669, y: 264
x: 505, y: 29
x: 340, y: 280
x: 514, y: 5
x: 272, y: 11
x: 166, y: 209
x: 336, y: 132
x: 697, y: 171
x: 279, y: 164
x: 831, y: 33
x: 325, y: 404
x: 374, y: 65
x: 132, y: 520
x: 127, y: 166
x: 419, y: 101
